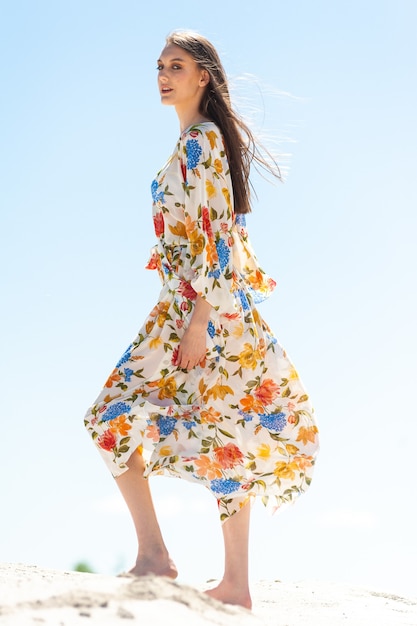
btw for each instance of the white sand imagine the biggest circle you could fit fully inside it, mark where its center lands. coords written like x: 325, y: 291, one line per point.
x: 33, y: 596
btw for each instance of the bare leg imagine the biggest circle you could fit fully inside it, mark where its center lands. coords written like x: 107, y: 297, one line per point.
x: 234, y: 588
x: 153, y: 557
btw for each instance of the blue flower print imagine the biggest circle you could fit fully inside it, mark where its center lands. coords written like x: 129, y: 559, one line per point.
x: 240, y: 219
x: 246, y: 416
x: 166, y: 425
x: 273, y: 421
x: 224, y: 485
x: 128, y: 374
x: 214, y: 274
x: 116, y: 409
x: 243, y: 299
x: 223, y: 252
x: 194, y: 152
x: 189, y: 425
x: 210, y: 329
x: 271, y: 338
x: 125, y: 357
x: 156, y: 196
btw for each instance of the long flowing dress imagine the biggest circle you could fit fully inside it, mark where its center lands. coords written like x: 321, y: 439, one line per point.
x: 241, y: 423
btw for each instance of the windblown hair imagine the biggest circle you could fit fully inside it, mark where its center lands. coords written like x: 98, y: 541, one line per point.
x: 240, y: 144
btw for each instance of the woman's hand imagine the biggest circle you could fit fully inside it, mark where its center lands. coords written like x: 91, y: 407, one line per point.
x: 192, y: 349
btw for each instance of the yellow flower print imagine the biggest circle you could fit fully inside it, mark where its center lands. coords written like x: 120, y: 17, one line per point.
x: 197, y: 243
x: 237, y: 330
x: 212, y: 137
x: 218, y: 166
x: 286, y: 470
x: 306, y: 434
x: 167, y: 387
x: 179, y: 229
x: 155, y: 342
x: 211, y: 189
x: 291, y: 449
x: 162, y: 313
x: 249, y: 357
x: 293, y: 374
x: 165, y: 451
x: 264, y: 451
x: 226, y: 194
x: 219, y: 391
x: 256, y: 317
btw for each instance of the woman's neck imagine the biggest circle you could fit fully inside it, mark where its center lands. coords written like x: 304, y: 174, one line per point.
x: 190, y: 118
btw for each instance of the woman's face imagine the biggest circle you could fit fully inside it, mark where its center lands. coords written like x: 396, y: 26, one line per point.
x: 181, y: 81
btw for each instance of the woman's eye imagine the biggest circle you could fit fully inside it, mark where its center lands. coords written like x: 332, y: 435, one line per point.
x: 159, y: 67
x: 176, y: 67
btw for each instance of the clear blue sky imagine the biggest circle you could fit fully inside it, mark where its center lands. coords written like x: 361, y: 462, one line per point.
x: 82, y: 135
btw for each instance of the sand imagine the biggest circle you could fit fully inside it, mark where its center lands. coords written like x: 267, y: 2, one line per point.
x: 33, y: 596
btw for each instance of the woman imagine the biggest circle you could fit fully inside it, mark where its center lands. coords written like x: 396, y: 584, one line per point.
x: 205, y: 392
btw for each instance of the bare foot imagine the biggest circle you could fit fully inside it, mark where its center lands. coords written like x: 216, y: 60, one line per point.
x: 231, y: 594
x: 158, y: 566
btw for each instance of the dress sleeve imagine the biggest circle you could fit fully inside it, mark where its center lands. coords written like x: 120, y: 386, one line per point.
x: 208, y: 212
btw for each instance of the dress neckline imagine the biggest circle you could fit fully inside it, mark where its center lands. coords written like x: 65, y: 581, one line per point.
x: 194, y: 125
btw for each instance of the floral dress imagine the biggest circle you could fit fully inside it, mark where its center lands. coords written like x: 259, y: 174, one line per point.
x: 240, y: 423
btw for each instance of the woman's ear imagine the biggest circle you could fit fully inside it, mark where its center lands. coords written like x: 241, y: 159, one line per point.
x: 204, y: 78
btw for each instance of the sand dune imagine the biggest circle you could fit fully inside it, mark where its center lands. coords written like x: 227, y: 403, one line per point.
x: 33, y: 596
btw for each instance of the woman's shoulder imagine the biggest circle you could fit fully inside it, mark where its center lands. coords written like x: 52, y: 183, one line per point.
x: 207, y: 134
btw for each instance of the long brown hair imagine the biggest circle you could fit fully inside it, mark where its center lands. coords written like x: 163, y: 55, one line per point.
x: 241, y: 147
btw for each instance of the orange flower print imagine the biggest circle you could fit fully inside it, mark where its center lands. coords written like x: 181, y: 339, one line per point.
x: 113, y: 378
x: 250, y: 404
x: 307, y: 433
x: 189, y: 225
x: 228, y: 456
x: 267, y: 391
x: 120, y: 426
x: 210, y: 416
x: 152, y: 432
x: 207, y: 467
x: 212, y: 137
x: 211, y: 252
x: 249, y: 357
x: 303, y: 461
x: 107, y: 440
